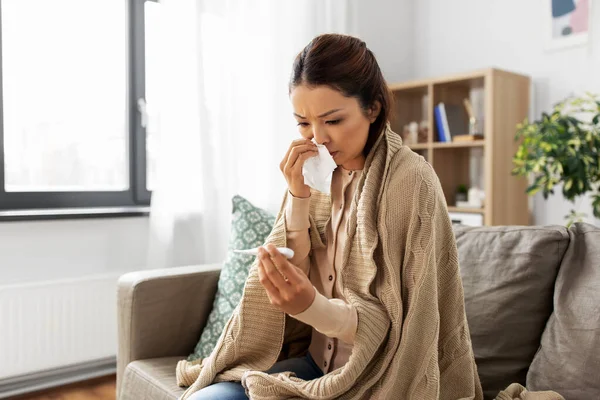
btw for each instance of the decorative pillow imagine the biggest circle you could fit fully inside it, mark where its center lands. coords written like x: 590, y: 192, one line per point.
x: 508, y: 276
x: 250, y: 228
x: 568, y: 360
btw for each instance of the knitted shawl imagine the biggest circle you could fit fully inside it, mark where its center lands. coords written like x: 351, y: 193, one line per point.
x: 400, y: 272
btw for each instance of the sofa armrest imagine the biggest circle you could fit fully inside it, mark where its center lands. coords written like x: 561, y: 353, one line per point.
x: 162, y: 312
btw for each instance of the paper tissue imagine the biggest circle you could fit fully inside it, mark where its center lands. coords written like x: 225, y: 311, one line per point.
x: 318, y: 170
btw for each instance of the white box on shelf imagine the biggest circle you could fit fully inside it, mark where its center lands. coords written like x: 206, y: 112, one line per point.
x: 469, y: 219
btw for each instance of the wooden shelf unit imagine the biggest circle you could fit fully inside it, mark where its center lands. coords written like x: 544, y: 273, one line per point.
x: 466, y: 210
x: 505, y: 103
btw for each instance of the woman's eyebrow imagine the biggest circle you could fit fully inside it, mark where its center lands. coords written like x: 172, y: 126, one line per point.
x: 329, y: 112
x: 322, y: 115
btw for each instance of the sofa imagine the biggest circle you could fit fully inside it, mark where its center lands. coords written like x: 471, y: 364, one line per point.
x: 532, y: 296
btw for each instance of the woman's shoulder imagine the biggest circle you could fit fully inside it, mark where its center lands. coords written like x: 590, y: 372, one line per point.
x: 407, y: 167
x: 412, y: 185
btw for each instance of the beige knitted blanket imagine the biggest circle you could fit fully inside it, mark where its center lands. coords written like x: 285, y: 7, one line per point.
x: 400, y: 272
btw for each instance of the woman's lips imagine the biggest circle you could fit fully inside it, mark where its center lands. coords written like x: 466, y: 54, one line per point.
x: 333, y: 154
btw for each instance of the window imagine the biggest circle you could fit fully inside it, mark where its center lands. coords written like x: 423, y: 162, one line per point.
x: 72, y: 103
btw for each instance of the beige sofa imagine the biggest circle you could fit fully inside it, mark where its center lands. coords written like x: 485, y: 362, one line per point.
x: 532, y: 298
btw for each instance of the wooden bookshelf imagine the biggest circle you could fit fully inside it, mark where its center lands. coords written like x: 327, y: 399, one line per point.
x: 458, y: 145
x: 465, y: 210
x: 420, y: 146
x: 505, y: 103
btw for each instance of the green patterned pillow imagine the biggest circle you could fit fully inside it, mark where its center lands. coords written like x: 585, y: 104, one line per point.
x: 250, y: 228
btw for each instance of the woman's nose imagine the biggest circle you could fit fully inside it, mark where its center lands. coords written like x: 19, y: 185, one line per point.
x: 320, y: 135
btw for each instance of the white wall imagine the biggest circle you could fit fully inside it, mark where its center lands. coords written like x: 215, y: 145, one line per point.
x: 47, y: 250
x: 387, y: 28
x: 462, y: 35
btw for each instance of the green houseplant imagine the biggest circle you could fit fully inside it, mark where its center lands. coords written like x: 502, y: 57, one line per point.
x: 563, y: 147
x: 461, y: 193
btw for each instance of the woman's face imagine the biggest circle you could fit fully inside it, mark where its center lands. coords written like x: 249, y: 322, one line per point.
x: 334, y: 120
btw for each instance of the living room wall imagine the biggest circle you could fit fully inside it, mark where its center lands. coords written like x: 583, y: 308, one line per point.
x: 387, y: 27
x: 462, y: 35
x: 35, y: 251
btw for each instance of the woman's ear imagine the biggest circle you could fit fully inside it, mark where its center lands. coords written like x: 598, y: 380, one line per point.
x: 374, y: 111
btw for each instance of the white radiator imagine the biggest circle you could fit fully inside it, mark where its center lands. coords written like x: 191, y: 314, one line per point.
x: 51, y: 325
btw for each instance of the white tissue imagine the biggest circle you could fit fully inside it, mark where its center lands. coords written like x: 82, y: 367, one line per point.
x: 318, y: 170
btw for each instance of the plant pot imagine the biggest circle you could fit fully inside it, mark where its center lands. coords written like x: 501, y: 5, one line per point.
x: 460, y: 197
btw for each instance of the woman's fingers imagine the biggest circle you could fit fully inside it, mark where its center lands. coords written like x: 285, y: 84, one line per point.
x: 291, y: 296
x: 306, y: 150
x: 271, y: 271
x: 295, y: 143
x: 283, y: 265
x: 302, y: 158
x: 291, y: 171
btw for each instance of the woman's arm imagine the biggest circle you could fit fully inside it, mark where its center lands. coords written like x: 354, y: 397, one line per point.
x: 334, y: 318
x: 297, y: 224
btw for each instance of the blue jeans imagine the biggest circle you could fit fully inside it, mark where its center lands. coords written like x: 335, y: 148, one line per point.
x: 304, y: 367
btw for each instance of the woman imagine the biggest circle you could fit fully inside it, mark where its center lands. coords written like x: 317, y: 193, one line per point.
x: 374, y: 280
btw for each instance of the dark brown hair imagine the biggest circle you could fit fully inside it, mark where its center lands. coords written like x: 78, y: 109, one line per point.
x: 344, y: 63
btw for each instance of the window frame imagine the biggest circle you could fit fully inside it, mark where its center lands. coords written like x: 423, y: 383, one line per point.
x: 137, y: 194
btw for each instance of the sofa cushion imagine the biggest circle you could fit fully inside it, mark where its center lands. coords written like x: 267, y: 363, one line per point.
x: 568, y: 360
x: 152, y: 379
x: 508, y: 277
x: 250, y: 227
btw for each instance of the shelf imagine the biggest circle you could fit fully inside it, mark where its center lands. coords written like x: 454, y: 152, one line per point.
x: 453, y: 145
x: 411, y: 106
x: 463, y: 77
x: 466, y: 210
x: 419, y: 146
x: 500, y: 100
x: 409, y: 86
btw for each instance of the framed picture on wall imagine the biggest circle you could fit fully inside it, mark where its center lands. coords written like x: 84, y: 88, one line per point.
x: 568, y: 23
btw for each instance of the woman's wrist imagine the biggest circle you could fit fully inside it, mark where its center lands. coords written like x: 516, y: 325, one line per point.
x: 300, y: 195
x: 296, y: 213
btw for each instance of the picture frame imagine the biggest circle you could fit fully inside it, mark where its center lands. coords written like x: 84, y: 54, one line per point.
x: 568, y: 23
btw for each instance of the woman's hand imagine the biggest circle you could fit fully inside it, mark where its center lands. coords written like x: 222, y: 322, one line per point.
x: 300, y: 150
x: 288, y: 288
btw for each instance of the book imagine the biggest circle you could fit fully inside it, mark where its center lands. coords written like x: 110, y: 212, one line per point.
x: 440, y: 122
x: 450, y: 120
x: 456, y: 120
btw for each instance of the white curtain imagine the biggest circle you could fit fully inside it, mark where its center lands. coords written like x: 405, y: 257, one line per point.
x: 222, y: 119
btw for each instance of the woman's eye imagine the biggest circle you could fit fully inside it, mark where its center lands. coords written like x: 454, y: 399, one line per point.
x: 334, y: 122
x: 302, y: 124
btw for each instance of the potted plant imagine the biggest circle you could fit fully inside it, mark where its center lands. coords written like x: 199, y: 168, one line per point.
x: 563, y: 147
x: 461, y: 193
